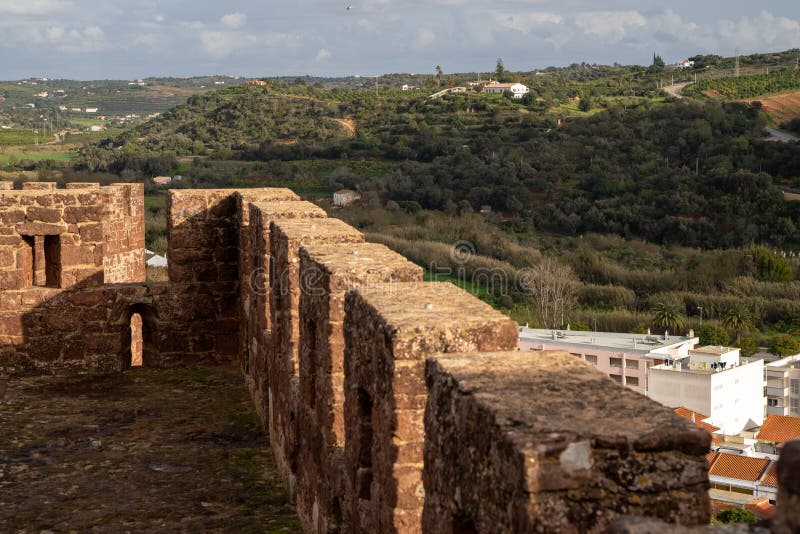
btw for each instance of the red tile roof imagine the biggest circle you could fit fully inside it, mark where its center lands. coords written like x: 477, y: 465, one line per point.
x: 762, y: 508
x: 697, y: 419
x: 738, y: 467
x: 771, y: 477
x: 779, y: 429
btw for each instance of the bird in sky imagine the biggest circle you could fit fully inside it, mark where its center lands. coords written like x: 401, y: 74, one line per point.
x: 349, y: 8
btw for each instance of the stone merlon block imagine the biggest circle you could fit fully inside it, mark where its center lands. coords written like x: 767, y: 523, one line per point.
x: 245, y: 197
x: 287, y: 237
x: 328, y: 272
x: 566, y: 449
x: 389, y: 332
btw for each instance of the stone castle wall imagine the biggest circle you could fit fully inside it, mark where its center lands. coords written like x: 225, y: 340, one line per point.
x: 394, y: 405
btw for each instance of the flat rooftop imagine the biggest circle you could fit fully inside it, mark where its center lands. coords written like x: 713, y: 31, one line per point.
x: 790, y: 362
x: 630, y: 343
x: 713, y: 350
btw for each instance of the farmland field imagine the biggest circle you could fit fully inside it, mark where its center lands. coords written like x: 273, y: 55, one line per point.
x: 782, y: 107
x: 15, y: 137
x: 52, y: 154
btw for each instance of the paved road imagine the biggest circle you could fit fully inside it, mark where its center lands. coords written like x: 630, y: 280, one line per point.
x: 675, y: 90
x: 783, y: 137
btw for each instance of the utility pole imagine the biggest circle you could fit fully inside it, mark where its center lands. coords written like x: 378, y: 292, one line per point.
x: 737, y: 63
x: 376, y: 86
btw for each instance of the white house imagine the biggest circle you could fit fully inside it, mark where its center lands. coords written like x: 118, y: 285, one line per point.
x: 345, y: 197
x: 91, y: 110
x: 714, y: 381
x: 517, y: 89
x: 155, y: 260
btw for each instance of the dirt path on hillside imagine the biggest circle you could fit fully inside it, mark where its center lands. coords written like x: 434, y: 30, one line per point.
x: 143, y: 451
x: 349, y: 124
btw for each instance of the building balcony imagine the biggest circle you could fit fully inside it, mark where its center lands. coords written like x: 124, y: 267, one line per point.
x: 777, y: 392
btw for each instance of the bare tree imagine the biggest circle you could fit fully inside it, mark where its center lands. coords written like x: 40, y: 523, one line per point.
x: 552, y: 286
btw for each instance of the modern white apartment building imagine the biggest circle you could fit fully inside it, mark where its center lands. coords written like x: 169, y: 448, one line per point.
x: 714, y: 381
x: 783, y: 386
x: 624, y: 357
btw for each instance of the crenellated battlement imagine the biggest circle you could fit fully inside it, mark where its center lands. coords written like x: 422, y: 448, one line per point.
x: 393, y: 404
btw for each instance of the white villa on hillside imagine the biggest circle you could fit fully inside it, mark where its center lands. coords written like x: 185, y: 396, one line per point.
x: 517, y: 89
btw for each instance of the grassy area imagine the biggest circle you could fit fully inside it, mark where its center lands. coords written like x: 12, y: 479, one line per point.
x: 17, y: 137
x: 155, y: 202
x: 51, y: 155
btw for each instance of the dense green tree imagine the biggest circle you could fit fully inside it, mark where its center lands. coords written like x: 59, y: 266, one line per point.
x: 500, y: 70
x: 770, y: 265
x: 736, y: 515
x: 711, y: 334
x: 784, y: 345
x: 748, y: 346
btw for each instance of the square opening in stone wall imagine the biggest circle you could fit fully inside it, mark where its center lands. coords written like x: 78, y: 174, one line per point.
x: 364, y: 468
x: 40, y: 260
x: 26, y: 259
x: 52, y: 260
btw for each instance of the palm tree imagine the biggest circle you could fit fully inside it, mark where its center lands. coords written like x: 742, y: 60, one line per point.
x: 739, y: 320
x: 667, y: 316
x: 439, y: 75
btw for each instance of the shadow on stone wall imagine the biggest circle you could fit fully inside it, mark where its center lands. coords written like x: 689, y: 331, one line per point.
x: 87, y: 327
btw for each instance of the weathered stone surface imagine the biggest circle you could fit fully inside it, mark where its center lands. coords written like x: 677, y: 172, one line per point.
x: 333, y: 336
x: 287, y: 236
x: 327, y: 272
x: 389, y: 332
x: 254, y: 295
x: 560, y: 441
x: 150, y: 450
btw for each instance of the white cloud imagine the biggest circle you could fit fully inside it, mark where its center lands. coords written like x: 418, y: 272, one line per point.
x: 70, y: 40
x: 234, y: 20
x: 425, y: 38
x: 32, y: 7
x: 611, y: 25
x: 527, y: 22
x: 322, y: 55
x: 218, y: 45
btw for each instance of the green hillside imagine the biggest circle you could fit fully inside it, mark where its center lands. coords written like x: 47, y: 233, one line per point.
x: 751, y: 86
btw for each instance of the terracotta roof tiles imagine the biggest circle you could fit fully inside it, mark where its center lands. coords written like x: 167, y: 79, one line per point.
x: 738, y: 467
x: 779, y: 429
x: 771, y: 477
x: 698, y: 418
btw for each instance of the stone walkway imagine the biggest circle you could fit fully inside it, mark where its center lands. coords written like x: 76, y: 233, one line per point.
x: 144, y: 451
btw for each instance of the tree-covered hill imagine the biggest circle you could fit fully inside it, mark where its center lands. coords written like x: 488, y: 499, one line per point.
x: 238, y: 117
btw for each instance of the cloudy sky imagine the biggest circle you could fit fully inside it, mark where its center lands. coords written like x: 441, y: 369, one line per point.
x: 127, y: 39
